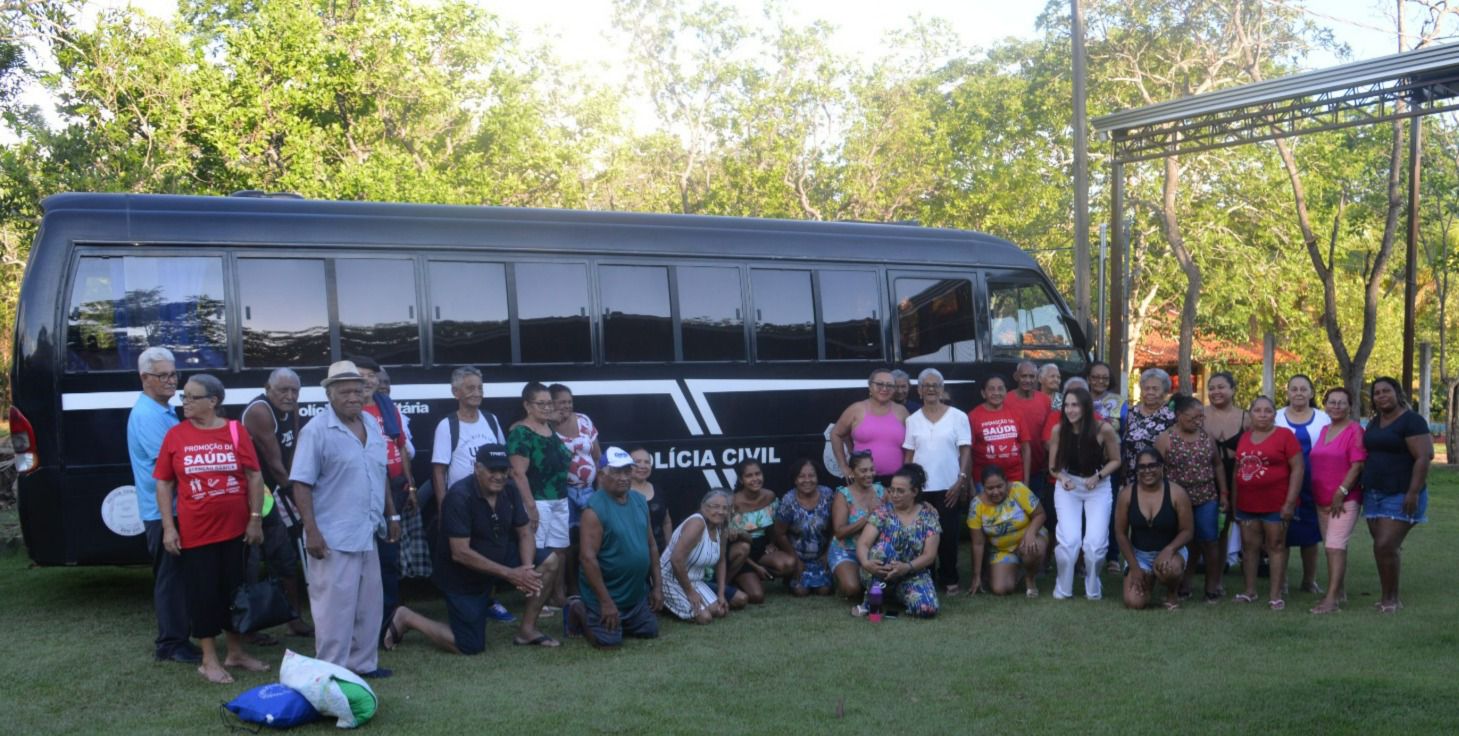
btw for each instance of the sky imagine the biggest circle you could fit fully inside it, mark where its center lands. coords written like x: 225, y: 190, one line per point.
x: 575, y: 28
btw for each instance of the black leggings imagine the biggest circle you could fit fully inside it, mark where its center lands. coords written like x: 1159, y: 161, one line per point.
x: 954, y: 520
x: 210, y: 574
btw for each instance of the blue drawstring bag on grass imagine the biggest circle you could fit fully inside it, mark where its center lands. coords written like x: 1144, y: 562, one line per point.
x: 275, y: 706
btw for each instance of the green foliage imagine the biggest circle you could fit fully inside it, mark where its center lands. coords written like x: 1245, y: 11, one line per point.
x: 758, y: 116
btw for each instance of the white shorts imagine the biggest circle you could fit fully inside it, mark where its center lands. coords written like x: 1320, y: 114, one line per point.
x: 552, y: 518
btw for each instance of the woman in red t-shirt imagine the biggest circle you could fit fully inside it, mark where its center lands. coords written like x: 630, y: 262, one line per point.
x: 999, y: 435
x: 211, y: 463
x: 1269, y: 469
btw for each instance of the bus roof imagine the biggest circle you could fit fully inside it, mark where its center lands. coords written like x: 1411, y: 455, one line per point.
x: 291, y: 222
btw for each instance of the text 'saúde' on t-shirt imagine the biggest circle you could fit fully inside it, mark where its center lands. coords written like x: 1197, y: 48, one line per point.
x: 212, y: 488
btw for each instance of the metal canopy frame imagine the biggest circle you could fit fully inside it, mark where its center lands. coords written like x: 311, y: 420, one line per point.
x: 1406, y: 85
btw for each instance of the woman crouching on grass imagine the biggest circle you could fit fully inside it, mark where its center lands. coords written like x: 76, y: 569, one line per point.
x: 1006, y: 515
x: 694, y: 549
x: 899, y: 546
x: 1153, y: 524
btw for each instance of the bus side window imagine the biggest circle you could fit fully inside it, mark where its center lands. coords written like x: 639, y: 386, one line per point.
x: 285, y: 315
x: 638, y: 326
x: 710, y: 323
x: 552, y: 313
x: 469, y: 319
x: 785, y: 317
x: 852, y: 327
x: 1026, y: 322
x: 377, y: 309
x: 122, y: 305
x: 935, y: 320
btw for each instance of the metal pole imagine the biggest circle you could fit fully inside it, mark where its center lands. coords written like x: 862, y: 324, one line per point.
x: 1117, y: 296
x: 1269, y: 365
x: 1081, y: 170
x: 1425, y: 379
x: 1103, y: 289
x: 1410, y: 270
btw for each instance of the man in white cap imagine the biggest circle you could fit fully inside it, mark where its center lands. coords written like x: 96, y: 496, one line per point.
x: 618, y: 582
x: 343, y: 496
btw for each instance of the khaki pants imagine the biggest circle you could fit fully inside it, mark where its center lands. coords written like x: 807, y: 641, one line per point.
x: 348, y: 602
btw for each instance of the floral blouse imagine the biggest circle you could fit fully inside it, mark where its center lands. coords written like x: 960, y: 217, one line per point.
x: 810, y: 529
x: 902, y: 542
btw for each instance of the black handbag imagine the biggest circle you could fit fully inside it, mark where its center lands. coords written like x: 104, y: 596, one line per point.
x: 260, y: 604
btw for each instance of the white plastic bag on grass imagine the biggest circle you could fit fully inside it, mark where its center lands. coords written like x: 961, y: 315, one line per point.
x: 331, y: 689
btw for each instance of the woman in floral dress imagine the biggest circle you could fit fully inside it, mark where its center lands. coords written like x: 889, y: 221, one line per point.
x: 803, y: 530
x: 899, y: 544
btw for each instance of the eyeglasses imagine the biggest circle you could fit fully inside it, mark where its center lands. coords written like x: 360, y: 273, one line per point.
x: 172, y: 376
x: 186, y: 397
x: 1142, y: 467
x: 883, y: 385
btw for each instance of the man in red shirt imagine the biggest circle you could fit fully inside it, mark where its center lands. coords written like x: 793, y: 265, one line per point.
x: 1033, y: 407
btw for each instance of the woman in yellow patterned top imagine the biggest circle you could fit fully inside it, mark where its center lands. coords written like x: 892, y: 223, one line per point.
x: 1008, y: 517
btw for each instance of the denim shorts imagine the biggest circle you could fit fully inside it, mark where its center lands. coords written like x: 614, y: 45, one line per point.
x: 1271, y: 517
x: 1207, y: 517
x: 1379, y: 505
x: 1146, y: 560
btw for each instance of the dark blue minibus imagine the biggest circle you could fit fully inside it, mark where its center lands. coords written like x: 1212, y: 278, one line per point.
x: 704, y: 339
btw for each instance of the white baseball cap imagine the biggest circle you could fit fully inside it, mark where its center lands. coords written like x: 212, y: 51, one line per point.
x: 615, y: 457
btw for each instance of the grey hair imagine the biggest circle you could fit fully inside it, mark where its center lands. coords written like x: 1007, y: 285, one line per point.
x: 1076, y: 382
x: 460, y: 374
x: 900, y: 375
x: 1047, y: 366
x: 151, y: 357
x: 282, y: 373
x: 212, y: 387
x: 930, y: 372
x: 1157, y: 373
x: 713, y: 492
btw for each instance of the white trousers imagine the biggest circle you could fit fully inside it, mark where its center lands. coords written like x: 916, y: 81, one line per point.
x: 1083, y: 524
x: 348, y: 603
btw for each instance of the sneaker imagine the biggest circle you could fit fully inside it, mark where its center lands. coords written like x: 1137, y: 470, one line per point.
x: 498, y: 612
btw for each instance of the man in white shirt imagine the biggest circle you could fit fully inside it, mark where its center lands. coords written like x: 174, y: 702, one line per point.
x: 458, y: 438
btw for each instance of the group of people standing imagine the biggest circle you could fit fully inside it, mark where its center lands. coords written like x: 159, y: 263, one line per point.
x: 1143, y: 485
x: 541, y: 507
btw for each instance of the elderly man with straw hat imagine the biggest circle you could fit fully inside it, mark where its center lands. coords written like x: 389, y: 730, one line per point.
x: 343, y: 497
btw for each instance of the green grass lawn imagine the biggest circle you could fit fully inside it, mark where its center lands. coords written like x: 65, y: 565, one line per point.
x: 76, y: 659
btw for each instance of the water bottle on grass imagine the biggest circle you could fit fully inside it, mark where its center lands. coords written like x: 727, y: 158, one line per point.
x: 874, y: 598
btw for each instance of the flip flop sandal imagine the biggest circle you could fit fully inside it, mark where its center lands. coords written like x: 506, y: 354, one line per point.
x: 1031, y: 592
x: 392, y: 637
x: 1172, y: 605
x: 1244, y: 598
x: 542, y: 640
x: 1215, y: 596
x: 1277, y: 605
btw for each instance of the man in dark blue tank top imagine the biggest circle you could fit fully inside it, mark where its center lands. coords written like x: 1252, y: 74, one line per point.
x: 272, y: 420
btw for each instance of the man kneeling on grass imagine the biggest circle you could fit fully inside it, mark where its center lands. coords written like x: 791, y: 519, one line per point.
x: 619, y: 585
x: 485, y: 537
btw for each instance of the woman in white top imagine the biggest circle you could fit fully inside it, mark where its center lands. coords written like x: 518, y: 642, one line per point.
x: 1306, y: 421
x: 940, y: 439
x: 695, y: 549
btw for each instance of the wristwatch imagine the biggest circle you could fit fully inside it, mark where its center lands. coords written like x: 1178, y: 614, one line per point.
x: 394, y: 517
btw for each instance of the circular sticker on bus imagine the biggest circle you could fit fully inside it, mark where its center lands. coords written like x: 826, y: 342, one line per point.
x: 119, y: 511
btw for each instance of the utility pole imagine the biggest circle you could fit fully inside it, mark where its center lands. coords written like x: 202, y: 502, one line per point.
x: 1081, y: 171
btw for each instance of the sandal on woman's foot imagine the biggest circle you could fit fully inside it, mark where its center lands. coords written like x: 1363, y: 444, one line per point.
x: 1184, y: 594
x: 953, y: 589
x: 1245, y: 598
x: 1322, y: 608
x: 1277, y: 605
x: 858, y: 611
x: 1313, y: 588
x: 1031, y: 593
x: 1172, y: 605
x: 1214, y: 596
x: 1389, y: 607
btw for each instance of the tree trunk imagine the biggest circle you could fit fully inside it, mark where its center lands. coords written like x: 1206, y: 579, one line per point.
x: 1353, y: 365
x: 1171, y: 225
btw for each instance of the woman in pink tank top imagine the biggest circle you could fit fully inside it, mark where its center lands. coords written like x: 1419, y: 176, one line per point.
x: 877, y: 424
